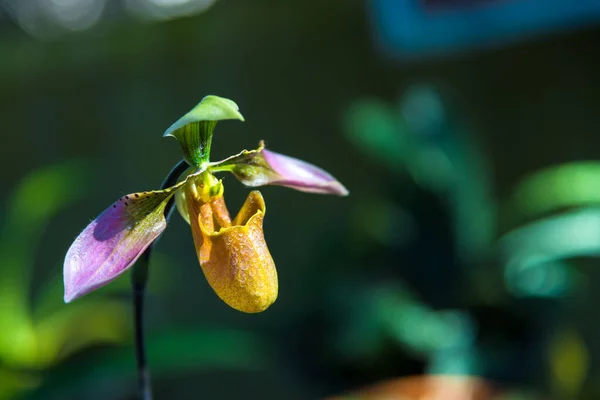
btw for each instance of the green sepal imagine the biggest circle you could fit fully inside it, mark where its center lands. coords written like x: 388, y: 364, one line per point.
x: 248, y: 166
x: 195, y: 129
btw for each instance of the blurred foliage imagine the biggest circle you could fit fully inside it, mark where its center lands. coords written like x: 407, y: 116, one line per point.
x: 419, y: 140
x: 555, y: 188
x: 40, y: 332
x: 111, y: 373
x: 569, y: 363
x: 421, y: 143
x: 559, y: 206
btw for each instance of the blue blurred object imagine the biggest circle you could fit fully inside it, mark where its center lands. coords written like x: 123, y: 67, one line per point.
x: 416, y: 28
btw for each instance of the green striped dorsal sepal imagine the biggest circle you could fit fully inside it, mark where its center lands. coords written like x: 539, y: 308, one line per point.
x: 195, y: 129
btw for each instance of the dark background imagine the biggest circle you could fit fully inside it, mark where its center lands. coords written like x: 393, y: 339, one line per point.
x: 468, y: 245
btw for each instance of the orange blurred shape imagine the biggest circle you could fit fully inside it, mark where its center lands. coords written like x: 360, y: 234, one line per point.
x: 426, y: 387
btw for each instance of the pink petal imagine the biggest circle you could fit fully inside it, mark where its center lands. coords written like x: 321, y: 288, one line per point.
x: 262, y: 167
x: 112, y: 243
x: 300, y: 175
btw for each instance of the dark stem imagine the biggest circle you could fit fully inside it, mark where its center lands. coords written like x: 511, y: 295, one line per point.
x: 139, y: 279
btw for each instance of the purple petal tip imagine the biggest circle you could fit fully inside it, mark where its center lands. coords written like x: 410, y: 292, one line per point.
x: 303, y: 176
x: 109, y: 246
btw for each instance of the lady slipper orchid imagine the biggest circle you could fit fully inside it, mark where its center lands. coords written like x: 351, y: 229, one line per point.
x: 233, y: 254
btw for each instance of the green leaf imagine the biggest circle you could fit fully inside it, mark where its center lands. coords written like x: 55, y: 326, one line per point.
x: 573, y: 234
x: 195, y: 129
x: 534, y: 255
x: 562, y: 186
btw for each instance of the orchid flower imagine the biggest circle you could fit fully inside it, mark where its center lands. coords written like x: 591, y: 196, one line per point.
x: 232, y: 253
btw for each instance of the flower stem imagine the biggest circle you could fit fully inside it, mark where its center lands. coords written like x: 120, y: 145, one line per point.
x: 139, y: 280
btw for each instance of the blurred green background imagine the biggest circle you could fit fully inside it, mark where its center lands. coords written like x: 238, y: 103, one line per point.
x: 468, y: 246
